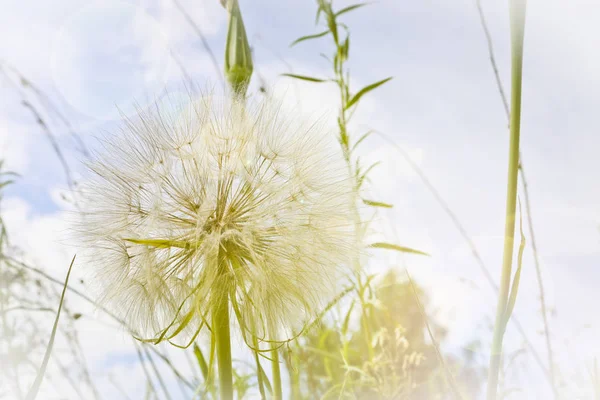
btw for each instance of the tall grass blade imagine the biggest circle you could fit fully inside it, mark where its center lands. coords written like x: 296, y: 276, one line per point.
x: 517, y: 17
x: 35, y: 388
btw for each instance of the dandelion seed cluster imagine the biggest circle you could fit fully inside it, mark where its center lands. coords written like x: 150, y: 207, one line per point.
x: 194, y: 201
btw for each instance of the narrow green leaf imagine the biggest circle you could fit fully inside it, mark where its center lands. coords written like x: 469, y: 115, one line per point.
x: 370, y: 168
x: 305, y: 78
x: 309, y: 37
x: 332, y: 23
x: 33, y: 391
x: 350, y: 8
x: 265, y: 379
x: 319, y: 11
x: 402, y: 249
x: 201, y: 362
x: 377, y: 204
x: 160, y: 243
x: 347, y: 318
x: 345, y: 48
x: 6, y: 183
x: 361, y: 177
x: 364, y: 91
x: 361, y: 139
x: 259, y: 375
x: 510, y: 306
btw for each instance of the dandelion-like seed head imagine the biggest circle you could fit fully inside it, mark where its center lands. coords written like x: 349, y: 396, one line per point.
x: 192, y: 202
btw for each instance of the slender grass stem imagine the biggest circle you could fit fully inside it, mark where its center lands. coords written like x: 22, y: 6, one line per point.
x: 551, y: 373
x: 517, y: 16
x: 538, y: 272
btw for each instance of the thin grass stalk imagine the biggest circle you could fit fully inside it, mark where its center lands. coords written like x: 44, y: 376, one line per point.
x: 18, y: 265
x: 150, y: 387
x: 476, y: 255
x: 35, y: 387
x: 538, y: 272
x: 551, y: 373
x: 157, y: 373
x: 517, y: 27
x: 344, y: 140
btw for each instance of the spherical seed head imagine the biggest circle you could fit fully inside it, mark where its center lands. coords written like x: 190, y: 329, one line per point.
x: 211, y: 198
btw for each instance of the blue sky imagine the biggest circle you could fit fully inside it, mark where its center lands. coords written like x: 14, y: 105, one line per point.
x: 442, y: 106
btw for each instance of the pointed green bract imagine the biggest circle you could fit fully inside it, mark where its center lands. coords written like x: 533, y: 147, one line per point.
x: 238, y: 55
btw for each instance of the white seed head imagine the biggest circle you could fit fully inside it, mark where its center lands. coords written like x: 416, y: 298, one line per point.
x: 211, y: 198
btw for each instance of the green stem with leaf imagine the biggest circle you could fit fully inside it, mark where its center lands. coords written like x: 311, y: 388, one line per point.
x: 506, y: 296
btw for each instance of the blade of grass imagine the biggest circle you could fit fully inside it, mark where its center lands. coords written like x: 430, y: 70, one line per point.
x: 551, y: 374
x: 476, y: 255
x: 201, y: 362
x: 517, y: 17
x: 35, y: 388
x: 19, y: 265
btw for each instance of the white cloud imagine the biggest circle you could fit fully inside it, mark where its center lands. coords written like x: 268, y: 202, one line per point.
x: 98, y: 70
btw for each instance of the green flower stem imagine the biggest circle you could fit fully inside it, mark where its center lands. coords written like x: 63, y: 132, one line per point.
x: 238, y: 71
x: 276, y: 370
x: 222, y: 337
x: 517, y: 16
x: 223, y: 341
